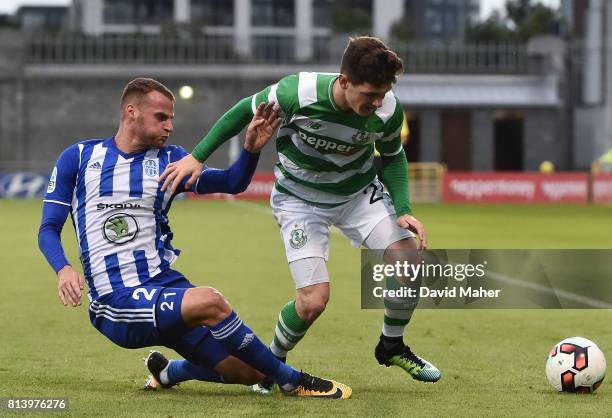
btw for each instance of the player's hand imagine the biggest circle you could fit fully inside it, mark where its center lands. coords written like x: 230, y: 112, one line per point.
x: 262, y: 127
x: 177, y: 171
x: 413, y: 224
x: 70, y: 286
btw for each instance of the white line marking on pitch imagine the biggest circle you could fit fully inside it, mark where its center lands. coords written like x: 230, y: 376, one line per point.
x: 594, y: 303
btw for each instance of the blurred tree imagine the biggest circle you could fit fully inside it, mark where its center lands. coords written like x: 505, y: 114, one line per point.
x: 348, y: 19
x: 523, y: 20
x: 404, y: 29
x: 539, y: 20
x: 7, y: 21
x: 492, y: 29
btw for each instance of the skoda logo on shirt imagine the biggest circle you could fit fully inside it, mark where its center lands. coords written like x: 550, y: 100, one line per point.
x: 120, y: 228
x: 150, y: 168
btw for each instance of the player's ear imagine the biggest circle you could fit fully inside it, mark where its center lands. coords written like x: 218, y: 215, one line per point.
x: 343, y: 80
x: 130, y: 110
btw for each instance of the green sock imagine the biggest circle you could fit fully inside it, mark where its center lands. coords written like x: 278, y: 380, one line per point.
x: 290, y: 329
x: 395, y: 321
x: 398, y: 311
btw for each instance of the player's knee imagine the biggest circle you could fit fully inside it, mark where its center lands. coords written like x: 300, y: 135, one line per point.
x: 404, y: 250
x: 406, y: 244
x: 312, y: 306
x: 216, y: 302
x: 311, y: 311
x: 212, y: 306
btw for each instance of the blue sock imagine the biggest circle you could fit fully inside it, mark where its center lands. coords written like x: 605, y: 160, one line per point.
x: 241, y: 342
x: 182, y: 370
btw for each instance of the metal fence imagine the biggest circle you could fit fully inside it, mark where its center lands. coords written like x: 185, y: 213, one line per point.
x: 75, y: 49
x: 510, y: 58
x: 419, y: 57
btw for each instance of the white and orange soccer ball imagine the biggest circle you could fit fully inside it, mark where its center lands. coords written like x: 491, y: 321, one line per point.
x: 576, y: 365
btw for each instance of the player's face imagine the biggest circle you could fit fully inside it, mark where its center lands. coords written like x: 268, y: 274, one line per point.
x: 154, y: 119
x: 365, y: 98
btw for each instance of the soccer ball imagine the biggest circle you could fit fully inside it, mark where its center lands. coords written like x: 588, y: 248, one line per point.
x: 576, y: 365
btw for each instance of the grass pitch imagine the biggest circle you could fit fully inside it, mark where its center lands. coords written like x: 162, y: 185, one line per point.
x: 493, y: 360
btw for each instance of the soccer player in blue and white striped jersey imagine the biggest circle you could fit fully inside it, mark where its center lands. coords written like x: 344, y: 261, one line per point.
x: 111, y: 189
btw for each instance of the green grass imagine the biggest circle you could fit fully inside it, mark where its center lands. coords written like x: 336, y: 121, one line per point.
x: 493, y: 360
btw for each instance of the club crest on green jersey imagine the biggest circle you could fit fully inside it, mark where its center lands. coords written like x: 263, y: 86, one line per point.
x: 120, y: 228
x: 298, y: 238
x: 361, y: 137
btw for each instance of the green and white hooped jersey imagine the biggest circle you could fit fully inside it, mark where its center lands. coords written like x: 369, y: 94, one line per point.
x: 325, y: 154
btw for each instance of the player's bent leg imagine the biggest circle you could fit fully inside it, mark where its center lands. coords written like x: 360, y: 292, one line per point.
x: 398, y: 245
x: 151, y: 315
x: 304, y: 230
x: 229, y: 332
x: 241, y: 342
x: 206, y: 306
x: 203, y: 354
x: 194, y: 344
x: 312, y: 283
x: 312, y: 294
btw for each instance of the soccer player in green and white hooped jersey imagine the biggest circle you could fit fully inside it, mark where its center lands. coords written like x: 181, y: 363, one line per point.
x: 325, y: 176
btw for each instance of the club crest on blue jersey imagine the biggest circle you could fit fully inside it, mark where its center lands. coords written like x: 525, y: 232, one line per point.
x: 150, y: 168
x: 120, y: 228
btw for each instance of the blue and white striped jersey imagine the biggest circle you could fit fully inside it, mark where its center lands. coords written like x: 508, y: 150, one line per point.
x: 118, y: 211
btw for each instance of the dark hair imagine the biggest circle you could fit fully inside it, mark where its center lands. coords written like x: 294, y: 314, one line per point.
x: 369, y: 60
x: 140, y: 87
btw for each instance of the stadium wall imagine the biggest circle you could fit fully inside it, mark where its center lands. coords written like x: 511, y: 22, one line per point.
x: 46, y: 106
x: 52, y: 113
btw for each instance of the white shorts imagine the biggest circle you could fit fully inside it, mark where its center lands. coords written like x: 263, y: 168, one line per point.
x: 304, y: 227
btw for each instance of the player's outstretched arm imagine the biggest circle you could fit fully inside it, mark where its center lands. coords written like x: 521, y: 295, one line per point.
x: 237, y: 177
x: 228, y: 126
x: 259, y: 132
